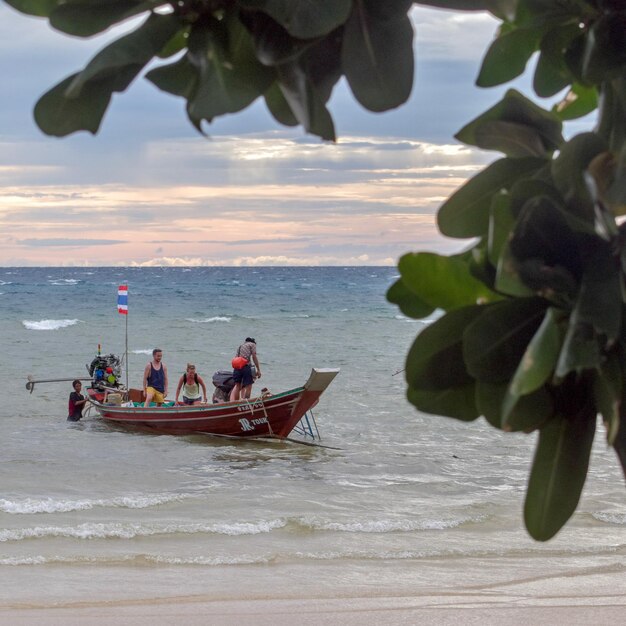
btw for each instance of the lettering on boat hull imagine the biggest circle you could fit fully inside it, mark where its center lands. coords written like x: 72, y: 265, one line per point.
x: 249, y: 424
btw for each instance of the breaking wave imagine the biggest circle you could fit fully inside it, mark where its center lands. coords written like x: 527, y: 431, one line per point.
x: 209, y: 320
x: 48, y: 324
x: 390, y: 526
x: 611, y: 517
x: 30, y: 506
x: 129, y: 531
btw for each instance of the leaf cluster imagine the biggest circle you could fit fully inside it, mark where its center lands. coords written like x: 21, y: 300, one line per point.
x: 222, y: 55
x: 533, y: 336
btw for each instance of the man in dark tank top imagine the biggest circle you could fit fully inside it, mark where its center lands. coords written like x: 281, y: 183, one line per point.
x: 155, y: 379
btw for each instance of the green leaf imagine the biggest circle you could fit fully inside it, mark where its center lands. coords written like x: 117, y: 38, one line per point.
x: 530, y: 191
x: 466, y: 212
x: 619, y: 443
x: 508, y: 280
x: 305, y: 101
x: 41, y: 8
x: 607, y: 391
x: 179, y: 78
x: 604, y: 56
x: 442, y: 282
x: 578, y: 102
x: 615, y: 195
x: 515, y: 126
x: 435, y: 360
x: 549, y: 11
x: 129, y: 54
x: 84, y: 19
x: 273, y: 44
x: 457, y: 402
x: 525, y: 413
x: 57, y: 115
x: 543, y: 241
x: 177, y: 43
x: 304, y: 19
x: 552, y: 72
x: 495, y: 342
x: 306, y: 85
x: 377, y: 57
x: 568, y: 173
x: 558, y: 473
x: 229, y: 75
x: 540, y: 357
x: 278, y: 106
x: 599, y: 301
x: 507, y: 56
x: 580, y: 350
x: 407, y: 301
x: 514, y: 140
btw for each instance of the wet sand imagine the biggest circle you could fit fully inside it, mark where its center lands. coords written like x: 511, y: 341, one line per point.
x: 348, y: 611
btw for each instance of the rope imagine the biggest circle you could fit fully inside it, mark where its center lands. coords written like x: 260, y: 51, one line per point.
x: 269, y: 425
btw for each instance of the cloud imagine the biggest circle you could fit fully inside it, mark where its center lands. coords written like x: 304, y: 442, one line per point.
x: 295, y: 200
x: 65, y: 243
x: 452, y: 36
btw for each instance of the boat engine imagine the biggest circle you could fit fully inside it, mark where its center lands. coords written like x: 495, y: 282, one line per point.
x: 106, y: 370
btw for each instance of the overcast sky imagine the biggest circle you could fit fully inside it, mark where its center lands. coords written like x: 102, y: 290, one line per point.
x: 148, y: 190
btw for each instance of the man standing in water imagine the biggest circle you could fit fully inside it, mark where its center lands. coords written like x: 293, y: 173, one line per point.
x: 243, y: 376
x: 76, y: 403
x: 155, y: 379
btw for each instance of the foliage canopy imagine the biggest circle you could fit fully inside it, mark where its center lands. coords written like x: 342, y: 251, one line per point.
x: 533, y: 331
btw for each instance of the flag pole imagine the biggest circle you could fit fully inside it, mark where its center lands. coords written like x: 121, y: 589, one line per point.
x: 122, y: 308
x: 127, y: 388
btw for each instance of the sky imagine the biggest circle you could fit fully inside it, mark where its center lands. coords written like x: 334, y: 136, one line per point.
x: 149, y: 190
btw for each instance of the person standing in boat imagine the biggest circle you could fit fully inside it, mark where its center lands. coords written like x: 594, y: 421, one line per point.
x: 76, y: 403
x: 191, y: 384
x: 155, y: 379
x: 242, y: 372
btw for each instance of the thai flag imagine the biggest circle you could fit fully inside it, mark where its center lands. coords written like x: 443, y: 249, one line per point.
x: 122, y: 299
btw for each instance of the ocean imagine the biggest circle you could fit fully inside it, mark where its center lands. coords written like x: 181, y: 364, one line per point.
x: 397, y: 502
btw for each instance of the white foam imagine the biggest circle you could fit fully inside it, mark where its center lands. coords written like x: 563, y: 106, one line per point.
x: 129, y: 531
x: 30, y: 506
x: 209, y: 320
x: 141, y: 351
x: 611, y: 517
x: 208, y: 560
x: 24, y: 560
x: 48, y: 324
x: 387, y: 526
x: 63, y: 282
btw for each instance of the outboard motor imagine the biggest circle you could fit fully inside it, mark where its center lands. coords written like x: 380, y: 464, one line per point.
x: 106, y: 371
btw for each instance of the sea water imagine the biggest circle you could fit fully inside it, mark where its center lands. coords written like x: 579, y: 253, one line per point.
x: 396, y: 501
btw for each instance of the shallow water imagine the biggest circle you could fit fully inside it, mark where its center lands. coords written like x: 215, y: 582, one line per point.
x: 408, y: 500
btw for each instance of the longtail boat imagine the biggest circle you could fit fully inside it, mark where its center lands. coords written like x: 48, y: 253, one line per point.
x: 268, y: 415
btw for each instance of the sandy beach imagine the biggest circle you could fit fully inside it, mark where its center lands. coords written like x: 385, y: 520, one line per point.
x: 589, y: 597
x: 345, y: 611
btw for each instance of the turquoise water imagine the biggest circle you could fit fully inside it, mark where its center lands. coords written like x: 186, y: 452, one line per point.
x: 407, y: 501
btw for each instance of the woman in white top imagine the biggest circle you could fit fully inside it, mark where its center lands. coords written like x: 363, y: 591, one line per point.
x: 191, y: 384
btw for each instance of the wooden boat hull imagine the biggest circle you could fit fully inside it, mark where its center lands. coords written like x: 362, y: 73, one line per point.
x: 274, y: 415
